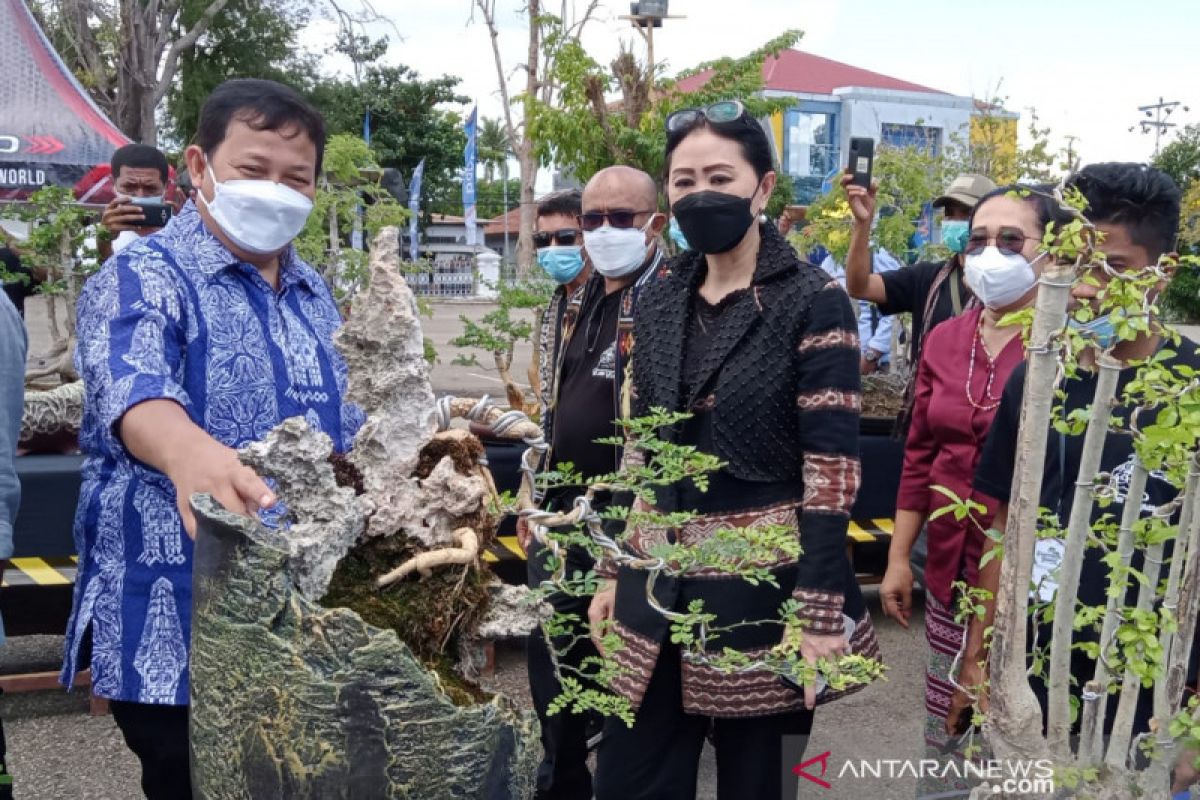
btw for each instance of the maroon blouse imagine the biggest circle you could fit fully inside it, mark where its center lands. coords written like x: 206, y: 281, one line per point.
x: 945, y: 440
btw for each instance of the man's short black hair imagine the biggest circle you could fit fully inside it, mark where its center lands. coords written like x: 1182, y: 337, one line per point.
x: 264, y: 106
x: 139, y: 156
x: 569, y: 202
x: 1139, y: 197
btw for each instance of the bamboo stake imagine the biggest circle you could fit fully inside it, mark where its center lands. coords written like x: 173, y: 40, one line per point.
x: 1014, y: 711
x: 1095, y: 710
x: 1122, y: 730
x: 1058, y: 728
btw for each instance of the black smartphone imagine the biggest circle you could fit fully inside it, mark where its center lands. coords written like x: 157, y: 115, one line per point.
x: 862, y: 159
x: 157, y: 214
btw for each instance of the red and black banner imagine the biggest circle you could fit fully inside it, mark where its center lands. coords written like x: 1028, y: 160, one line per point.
x: 51, y: 133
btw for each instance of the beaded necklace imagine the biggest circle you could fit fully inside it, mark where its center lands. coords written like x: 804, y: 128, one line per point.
x: 991, y: 376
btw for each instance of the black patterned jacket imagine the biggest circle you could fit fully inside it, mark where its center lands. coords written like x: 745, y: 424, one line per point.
x: 781, y: 382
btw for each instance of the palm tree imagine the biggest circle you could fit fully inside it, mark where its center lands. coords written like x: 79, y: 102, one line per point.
x: 492, y: 147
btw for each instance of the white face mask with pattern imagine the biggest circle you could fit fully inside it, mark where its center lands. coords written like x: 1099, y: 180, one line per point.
x: 261, y: 217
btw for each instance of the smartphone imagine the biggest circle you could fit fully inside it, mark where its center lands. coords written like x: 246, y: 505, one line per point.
x: 157, y: 214
x: 862, y: 159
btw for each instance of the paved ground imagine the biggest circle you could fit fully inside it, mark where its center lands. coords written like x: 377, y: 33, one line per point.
x: 442, y: 327
x: 58, y: 752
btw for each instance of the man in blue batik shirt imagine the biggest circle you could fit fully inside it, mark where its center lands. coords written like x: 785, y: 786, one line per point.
x: 193, y: 342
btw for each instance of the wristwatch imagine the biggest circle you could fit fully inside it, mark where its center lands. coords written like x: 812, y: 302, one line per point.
x: 871, y: 355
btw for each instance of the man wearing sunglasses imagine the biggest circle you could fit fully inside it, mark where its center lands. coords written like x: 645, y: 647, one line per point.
x: 559, y: 243
x: 620, y: 229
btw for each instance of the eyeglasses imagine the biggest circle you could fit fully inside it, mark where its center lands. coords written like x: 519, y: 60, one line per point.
x: 567, y: 237
x: 1010, y: 241
x: 720, y: 113
x: 620, y: 218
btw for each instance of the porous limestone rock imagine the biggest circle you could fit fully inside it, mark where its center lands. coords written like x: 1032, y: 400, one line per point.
x: 389, y: 379
x: 511, y: 612
x: 52, y: 413
x: 323, y: 519
x: 293, y: 700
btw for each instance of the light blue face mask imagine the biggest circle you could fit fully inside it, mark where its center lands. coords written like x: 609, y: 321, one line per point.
x: 1100, y: 331
x: 562, y: 263
x: 954, y: 234
x: 677, y: 235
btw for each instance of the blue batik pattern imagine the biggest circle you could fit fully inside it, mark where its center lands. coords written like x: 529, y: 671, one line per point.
x: 176, y: 316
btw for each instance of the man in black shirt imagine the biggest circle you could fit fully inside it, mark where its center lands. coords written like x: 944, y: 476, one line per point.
x: 1137, y: 208
x: 932, y: 292
x: 620, y: 235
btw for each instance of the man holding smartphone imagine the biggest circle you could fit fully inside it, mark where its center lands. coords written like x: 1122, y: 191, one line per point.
x: 139, y: 174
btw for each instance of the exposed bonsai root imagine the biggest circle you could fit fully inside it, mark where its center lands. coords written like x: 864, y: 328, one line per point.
x: 466, y: 553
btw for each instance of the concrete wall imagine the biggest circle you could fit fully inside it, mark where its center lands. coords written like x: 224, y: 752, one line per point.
x: 864, y: 111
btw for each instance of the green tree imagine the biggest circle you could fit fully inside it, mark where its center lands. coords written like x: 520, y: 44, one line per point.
x: 491, y: 197
x: 583, y: 132
x: 1181, y: 158
x: 250, y: 38
x: 493, y: 149
x: 908, y: 179
x: 348, y: 196
x: 411, y: 119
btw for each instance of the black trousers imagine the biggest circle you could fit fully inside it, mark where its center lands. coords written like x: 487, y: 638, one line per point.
x: 158, y: 736
x: 658, y: 758
x: 563, y: 773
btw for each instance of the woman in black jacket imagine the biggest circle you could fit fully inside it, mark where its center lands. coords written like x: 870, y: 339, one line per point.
x: 761, y: 348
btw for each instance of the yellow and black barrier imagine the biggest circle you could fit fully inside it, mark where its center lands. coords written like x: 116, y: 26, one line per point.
x: 44, y: 571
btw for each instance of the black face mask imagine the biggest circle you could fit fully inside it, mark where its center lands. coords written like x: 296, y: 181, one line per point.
x: 714, y: 222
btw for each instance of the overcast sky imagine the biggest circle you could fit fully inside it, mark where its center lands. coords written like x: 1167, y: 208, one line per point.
x: 1085, y: 65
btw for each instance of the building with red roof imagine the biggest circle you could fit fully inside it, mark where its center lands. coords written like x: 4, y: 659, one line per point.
x: 836, y: 101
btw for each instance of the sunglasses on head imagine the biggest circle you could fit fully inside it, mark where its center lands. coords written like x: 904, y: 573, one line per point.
x: 567, y: 237
x: 720, y: 113
x: 621, y: 218
x: 1010, y: 241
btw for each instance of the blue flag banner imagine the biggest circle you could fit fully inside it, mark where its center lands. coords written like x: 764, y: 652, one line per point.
x: 414, y: 207
x: 468, y: 185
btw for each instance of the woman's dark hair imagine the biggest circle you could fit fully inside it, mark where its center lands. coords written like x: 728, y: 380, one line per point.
x: 264, y: 106
x: 745, y: 130
x: 1040, y: 196
x: 1141, y: 198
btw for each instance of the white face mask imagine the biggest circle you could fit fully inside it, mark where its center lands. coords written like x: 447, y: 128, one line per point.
x: 999, y: 279
x: 617, y: 252
x: 261, y: 217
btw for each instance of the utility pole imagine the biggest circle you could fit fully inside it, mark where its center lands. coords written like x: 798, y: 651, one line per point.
x: 1158, y: 115
x: 646, y: 16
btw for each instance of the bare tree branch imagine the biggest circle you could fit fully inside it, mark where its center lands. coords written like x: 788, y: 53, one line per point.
x: 182, y: 44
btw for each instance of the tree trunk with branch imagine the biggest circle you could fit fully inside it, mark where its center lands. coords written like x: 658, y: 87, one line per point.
x: 128, y: 80
x: 540, y: 57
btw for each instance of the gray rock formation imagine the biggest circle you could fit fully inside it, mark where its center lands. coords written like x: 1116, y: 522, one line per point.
x: 292, y: 700
x: 325, y: 520
x: 52, y: 412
